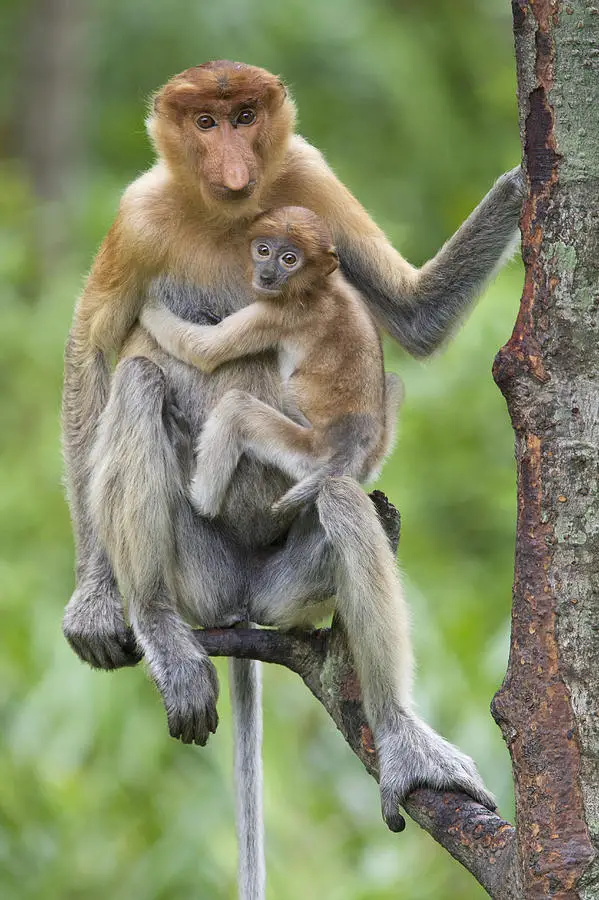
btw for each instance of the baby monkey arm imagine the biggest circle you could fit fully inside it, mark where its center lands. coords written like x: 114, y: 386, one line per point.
x: 249, y: 331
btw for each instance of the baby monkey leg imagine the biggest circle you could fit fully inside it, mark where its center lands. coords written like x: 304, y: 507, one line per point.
x: 240, y: 423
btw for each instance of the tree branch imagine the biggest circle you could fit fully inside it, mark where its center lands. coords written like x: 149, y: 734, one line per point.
x: 482, y: 841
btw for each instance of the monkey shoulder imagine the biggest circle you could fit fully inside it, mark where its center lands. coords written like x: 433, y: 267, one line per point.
x: 355, y: 310
x: 302, y: 174
x: 144, y: 217
x: 167, y: 238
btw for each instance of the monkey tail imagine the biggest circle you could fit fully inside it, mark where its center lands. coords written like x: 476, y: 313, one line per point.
x: 245, y: 687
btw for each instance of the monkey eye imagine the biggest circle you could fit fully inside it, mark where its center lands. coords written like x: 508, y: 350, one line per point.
x: 289, y: 259
x: 205, y: 122
x: 263, y: 250
x: 246, y: 117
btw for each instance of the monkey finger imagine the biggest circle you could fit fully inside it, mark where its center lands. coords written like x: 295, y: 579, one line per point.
x: 396, y: 823
x: 186, y: 733
x: 123, y: 651
x: 88, y: 655
x: 212, y: 717
x: 392, y: 816
x: 131, y: 648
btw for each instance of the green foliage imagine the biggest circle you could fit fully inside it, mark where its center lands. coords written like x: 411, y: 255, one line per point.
x: 414, y: 106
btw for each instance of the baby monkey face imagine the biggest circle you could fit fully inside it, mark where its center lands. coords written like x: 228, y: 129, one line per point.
x: 275, y: 261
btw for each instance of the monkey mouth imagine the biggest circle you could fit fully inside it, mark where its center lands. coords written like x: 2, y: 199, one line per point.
x: 261, y: 289
x: 220, y: 192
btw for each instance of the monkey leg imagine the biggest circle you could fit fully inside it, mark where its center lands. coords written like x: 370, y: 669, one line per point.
x: 94, y: 623
x: 350, y: 556
x: 293, y: 585
x: 371, y: 604
x: 240, y: 423
x: 146, y: 523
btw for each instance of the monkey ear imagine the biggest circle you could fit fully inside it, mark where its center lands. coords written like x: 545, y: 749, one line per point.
x: 333, y: 260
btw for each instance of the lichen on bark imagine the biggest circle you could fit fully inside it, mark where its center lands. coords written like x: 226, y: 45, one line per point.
x: 549, y: 374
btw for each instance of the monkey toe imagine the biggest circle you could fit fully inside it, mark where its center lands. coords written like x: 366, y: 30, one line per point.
x: 190, y: 691
x: 412, y: 755
x: 96, y: 629
x: 193, y: 727
x: 393, y: 818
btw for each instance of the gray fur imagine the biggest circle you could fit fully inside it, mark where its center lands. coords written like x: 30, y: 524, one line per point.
x: 93, y: 624
x: 352, y: 439
x: 448, y: 284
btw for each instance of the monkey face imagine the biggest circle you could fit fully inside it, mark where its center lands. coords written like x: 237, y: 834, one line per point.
x: 291, y: 251
x: 224, y: 125
x: 275, y: 261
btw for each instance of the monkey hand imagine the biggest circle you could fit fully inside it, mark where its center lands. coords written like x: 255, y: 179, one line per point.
x: 95, y: 627
x: 513, y: 185
x: 203, y: 354
x: 412, y: 755
x: 189, y: 689
x: 207, y: 492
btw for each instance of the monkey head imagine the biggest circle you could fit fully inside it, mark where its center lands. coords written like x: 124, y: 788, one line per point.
x: 222, y: 127
x: 291, y: 251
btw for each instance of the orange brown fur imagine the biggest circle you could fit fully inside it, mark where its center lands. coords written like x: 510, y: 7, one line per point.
x: 339, y: 369
x: 317, y: 321
x: 171, y: 221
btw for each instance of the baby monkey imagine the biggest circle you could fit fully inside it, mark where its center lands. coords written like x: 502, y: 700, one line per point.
x: 339, y: 408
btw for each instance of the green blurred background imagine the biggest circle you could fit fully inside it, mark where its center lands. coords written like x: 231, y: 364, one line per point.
x: 414, y: 105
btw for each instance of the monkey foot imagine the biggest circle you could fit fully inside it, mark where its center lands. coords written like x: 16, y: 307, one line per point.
x: 95, y: 627
x: 189, y: 689
x: 412, y: 755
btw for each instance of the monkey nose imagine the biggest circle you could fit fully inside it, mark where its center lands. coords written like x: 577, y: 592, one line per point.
x: 267, y: 277
x: 236, y: 177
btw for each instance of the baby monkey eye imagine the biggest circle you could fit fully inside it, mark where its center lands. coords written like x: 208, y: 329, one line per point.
x: 263, y: 250
x: 289, y: 259
x: 205, y: 122
x: 246, y: 117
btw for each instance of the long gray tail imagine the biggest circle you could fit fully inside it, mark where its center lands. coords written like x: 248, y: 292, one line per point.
x: 245, y: 687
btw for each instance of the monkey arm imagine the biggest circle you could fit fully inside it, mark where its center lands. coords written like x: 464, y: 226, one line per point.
x: 104, y: 314
x: 250, y: 330
x: 419, y: 308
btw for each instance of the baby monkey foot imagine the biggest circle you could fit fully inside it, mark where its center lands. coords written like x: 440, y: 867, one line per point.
x: 206, y: 497
x: 412, y: 755
x: 95, y: 627
x: 189, y: 689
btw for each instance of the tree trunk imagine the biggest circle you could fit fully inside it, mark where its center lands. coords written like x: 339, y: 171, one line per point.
x: 548, y: 707
x: 51, y: 98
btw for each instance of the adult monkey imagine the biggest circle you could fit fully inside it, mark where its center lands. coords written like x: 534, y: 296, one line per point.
x: 224, y: 135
